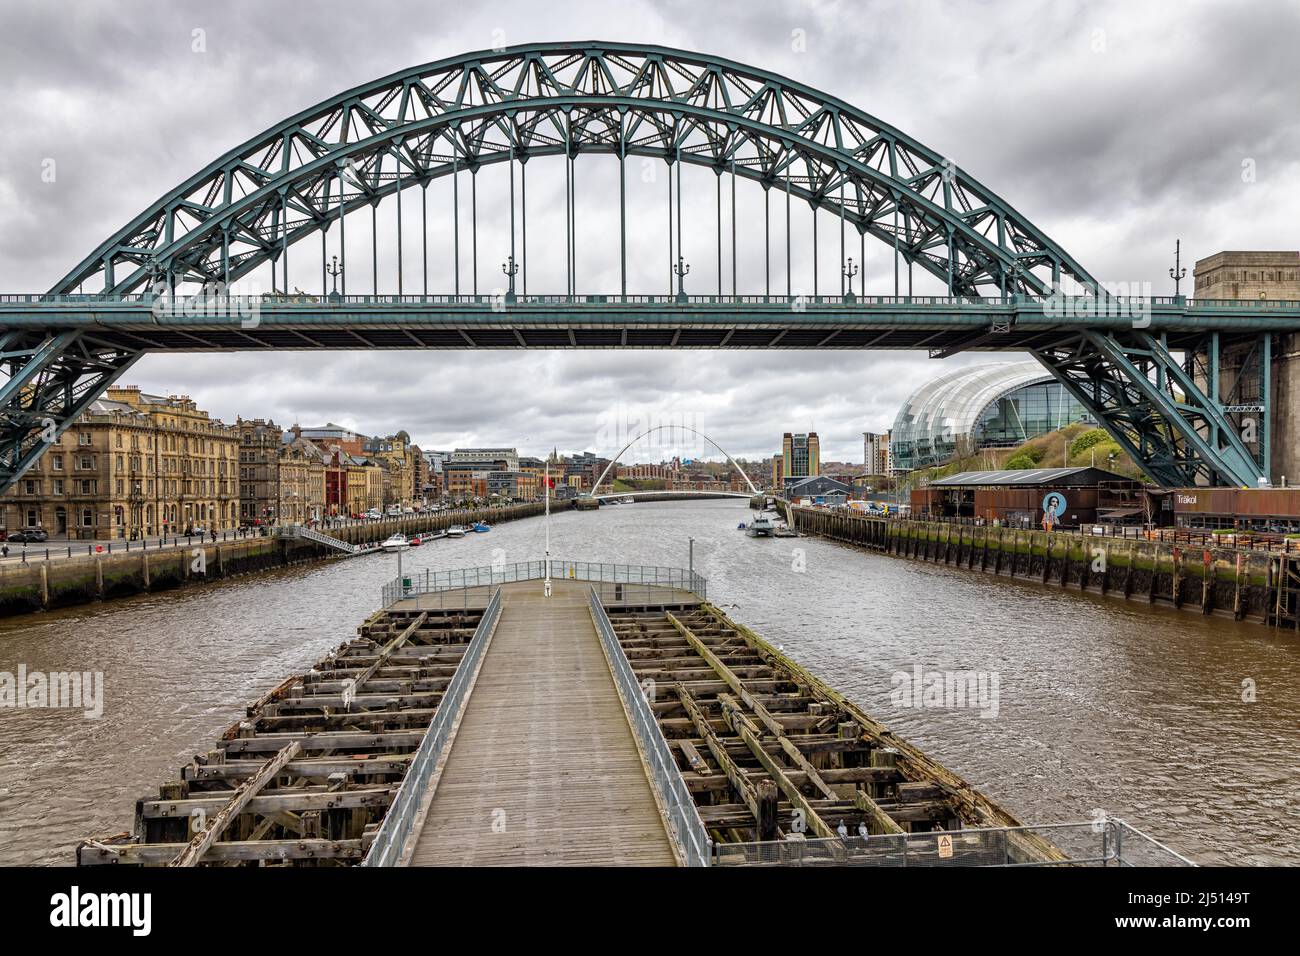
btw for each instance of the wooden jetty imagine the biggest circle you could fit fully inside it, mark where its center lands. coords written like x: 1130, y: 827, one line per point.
x: 613, y: 722
x: 544, y: 768
x: 307, y: 776
x: 769, y: 751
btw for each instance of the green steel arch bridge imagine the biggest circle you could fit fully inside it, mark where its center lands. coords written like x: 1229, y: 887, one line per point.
x: 280, y: 206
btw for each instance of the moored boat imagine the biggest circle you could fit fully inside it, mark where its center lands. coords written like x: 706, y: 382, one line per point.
x: 397, y: 542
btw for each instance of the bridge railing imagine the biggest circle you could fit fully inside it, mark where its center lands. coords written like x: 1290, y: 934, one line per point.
x: 398, y: 824
x: 427, y: 581
x: 686, y: 828
x: 199, y: 300
x: 1094, y: 843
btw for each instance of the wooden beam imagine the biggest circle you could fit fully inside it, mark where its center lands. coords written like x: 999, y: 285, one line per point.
x: 247, y: 790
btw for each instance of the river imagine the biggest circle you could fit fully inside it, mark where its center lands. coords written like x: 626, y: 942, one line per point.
x: 1102, y: 704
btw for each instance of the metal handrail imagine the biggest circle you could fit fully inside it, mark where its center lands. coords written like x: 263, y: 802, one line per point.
x: 430, y: 581
x: 686, y: 828
x: 1103, y: 845
x: 399, y: 822
x: 1020, y: 299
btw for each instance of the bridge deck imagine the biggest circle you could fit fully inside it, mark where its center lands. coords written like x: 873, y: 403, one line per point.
x: 544, y: 769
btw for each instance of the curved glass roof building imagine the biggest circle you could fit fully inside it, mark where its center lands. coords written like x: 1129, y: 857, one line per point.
x: 979, y: 406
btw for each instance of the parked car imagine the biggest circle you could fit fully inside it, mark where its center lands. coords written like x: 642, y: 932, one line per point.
x: 28, y: 535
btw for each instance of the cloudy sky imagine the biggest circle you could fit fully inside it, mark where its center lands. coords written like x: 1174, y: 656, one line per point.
x: 1116, y: 127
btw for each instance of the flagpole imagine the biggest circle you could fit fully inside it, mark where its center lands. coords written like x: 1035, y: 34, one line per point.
x: 547, y: 589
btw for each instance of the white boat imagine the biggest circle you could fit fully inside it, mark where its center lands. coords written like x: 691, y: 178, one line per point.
x: 456, y: 531
x: 397, y: 542
x: 761, y: 527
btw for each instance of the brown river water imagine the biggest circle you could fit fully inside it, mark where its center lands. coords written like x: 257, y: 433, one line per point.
x: 1101, y: 704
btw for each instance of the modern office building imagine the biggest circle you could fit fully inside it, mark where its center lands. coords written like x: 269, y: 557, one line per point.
x: 980, y: 406
x: 800, y: 456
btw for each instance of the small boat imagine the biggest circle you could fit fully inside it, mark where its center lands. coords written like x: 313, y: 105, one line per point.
x: 742, y: 526
x: 434, y: 536
x: 415, y: 541
x: 397, y: 542
x: 761, y: 527
x: 456, y: 531
x: 480, y: 526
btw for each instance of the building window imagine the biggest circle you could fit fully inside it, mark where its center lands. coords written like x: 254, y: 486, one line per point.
x: 84, y: 438
x: 56, y: 462
x: 88, y: 517
x: 30, y: 486
x: 32, y: 521
x: 58, y: 486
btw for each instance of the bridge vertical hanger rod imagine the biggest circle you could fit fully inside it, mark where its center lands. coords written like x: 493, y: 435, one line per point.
x: 622, y: 210
x: 512, y: 207
x: 424, y: 235
x: 323, y: 290
x: 455, y: 222
x: 573, y: 200
x: 523, y: 219
x: 843, y: 279
x: 670, y: 227
x: 343, y: 237
x: 374, y: 248
x: 895, y: 248
x: 733, y: 228
x: 952, y: 266
x: 225, y: 258
x: 284, y: 227
x: 907, y: 227
x: 862, y: 238
x: 680, y: 247
x: 789, y: 274
x: 767, y: 242
x: 568, y: 216
x: 473, y: 225
x: 718, y: 177
x: 398, y: 196
x: 814, y: 225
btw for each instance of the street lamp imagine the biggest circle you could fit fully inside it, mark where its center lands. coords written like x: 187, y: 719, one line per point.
x: 1177, y: 273
x: 849, y: 272
x: 681, y: 270
x: 335, y: 270
x: 510, y: 269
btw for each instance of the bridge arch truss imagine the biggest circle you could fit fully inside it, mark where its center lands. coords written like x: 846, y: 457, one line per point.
x: 310, y: 174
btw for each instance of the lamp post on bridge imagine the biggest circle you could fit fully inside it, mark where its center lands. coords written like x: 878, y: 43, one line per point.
x: 849, y: 272
x: 681, y: 270
x: 335, y: 270
x: 1177, y: 272
x: 510, y: 269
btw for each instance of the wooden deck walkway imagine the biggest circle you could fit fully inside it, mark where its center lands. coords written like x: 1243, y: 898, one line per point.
x: 544, y: 769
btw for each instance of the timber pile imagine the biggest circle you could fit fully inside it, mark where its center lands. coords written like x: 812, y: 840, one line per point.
x: 770, y: 753
x: 306, y: 778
